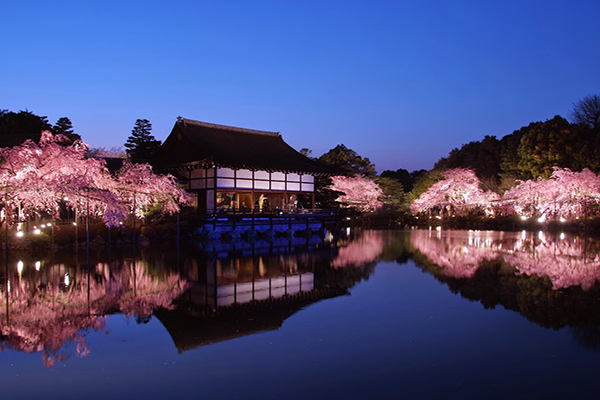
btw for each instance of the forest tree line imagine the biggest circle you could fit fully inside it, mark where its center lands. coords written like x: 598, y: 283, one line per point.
x: 533, y: 150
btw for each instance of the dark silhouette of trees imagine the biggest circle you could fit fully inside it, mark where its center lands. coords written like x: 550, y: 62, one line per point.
x: 529, y: 152
x: 141, y: 144
x: 482, y: 157
x: 587, y: 112
x: 64, y: 126
x: 348, y: 161
x: 15, y: 128
x: 406, y: 179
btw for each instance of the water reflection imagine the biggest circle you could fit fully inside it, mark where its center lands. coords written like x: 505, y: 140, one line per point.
x: 552, y: 280
x: 234, y: 295
x: 566, y: 260
x: 49, y: 305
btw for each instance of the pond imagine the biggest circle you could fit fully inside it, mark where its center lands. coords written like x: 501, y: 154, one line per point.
x: 381, y: 314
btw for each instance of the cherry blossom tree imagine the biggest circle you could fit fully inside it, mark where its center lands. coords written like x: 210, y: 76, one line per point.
x: 565, y: 194
x: 359, y: 192
x: 39, y: 177
x: 139, y: 187
x: 457, y: 193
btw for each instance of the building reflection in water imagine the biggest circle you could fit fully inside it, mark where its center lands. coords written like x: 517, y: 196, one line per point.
x: 234, y: 295
x: 50, y: 305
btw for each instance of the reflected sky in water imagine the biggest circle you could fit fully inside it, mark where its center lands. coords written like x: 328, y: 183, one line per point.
x: 431, y: 314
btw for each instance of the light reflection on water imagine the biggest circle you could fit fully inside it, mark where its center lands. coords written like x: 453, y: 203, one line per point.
x: 566, y: 261
x: 358, y: 309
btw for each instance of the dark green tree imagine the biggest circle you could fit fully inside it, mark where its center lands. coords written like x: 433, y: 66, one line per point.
x: 509, y: 158
x: 15, y: 128
x: 348, y: 161
x: 393, y: 192
x: 482, y: 157
x: 63, y: 126
x: 546, y: 145
x: 306, y: 152
x: 141, y: 144
x: 423, y: 182
x: 406, y: 179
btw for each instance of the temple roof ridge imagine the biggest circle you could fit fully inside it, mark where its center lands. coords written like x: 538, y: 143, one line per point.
x: 186, y: 121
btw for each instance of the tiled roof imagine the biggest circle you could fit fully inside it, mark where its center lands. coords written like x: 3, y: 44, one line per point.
x: 196, y: 144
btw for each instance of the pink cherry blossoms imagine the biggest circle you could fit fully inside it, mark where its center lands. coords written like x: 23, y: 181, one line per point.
x: 566, y: 194
x: 39, y: 178
x: 457, y: 193
x: 359, y: 192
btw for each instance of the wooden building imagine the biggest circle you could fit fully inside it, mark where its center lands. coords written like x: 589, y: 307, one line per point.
x: 239, y: 170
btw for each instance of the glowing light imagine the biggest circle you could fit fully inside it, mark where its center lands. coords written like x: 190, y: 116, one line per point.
x: 562, y: 219
x: 43, y: 225
x: 20, y: 266
x: 74, y: 223
x: 524, y: 217
x: 562, y: 236
x: 38, y: 265
x: 37, y: 231
x: 542, y: 218
x: 20, y: 234
x: 67, y: 279
x: 348, y: 231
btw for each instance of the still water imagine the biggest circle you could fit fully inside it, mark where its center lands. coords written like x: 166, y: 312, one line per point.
x: 422, y: 314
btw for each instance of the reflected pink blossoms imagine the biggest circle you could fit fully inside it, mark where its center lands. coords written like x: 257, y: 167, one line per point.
x: 51, y: 310
x: 365, y: 249
x: 567, y: 261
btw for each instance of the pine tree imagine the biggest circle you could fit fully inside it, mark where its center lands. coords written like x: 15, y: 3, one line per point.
x: 64, y: 126
x: 141, y: 144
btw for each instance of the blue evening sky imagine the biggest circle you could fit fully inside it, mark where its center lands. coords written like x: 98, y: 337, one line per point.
x: 400, y: 82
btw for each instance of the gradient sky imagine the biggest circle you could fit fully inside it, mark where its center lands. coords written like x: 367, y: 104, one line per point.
x: 400, y: 82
